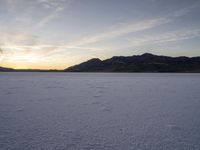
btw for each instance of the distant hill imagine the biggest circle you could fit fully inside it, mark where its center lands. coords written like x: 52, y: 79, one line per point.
x: 139, y: 63
x: 6, y: 69
x: 3, y: 69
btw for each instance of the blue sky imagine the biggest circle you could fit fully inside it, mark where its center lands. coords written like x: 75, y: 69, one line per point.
x: 55, y: 34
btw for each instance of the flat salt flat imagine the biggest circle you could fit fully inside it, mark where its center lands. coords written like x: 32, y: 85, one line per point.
x: 99, y: 111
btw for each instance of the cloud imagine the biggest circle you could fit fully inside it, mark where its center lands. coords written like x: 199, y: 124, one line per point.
x: 120, y: 31
x: 1, y: 54
x: 17, y: 43
x: 17, y: 38
x: 51, y: 3
x: 186, y: 10
x: 48, y: 18
x: 47, y: 3
x: 124, y: 29
x: 128, y: 28
x: 22, y: 47
x: 165, y: 37
x: 20, y: 44
x: 11, y: 5
x: 56, y: 5
x: 1, y: 51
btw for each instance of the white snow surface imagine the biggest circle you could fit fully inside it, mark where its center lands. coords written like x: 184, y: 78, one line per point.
x: 99, y: 111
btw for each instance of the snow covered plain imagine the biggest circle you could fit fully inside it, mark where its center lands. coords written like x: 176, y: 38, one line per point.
x: 99, y: 111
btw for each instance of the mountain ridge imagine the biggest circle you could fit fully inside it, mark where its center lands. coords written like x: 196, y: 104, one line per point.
x: 5, y: 69
x: 146, y: 62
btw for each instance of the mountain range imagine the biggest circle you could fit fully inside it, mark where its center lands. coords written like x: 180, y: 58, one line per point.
x: 137, y: 63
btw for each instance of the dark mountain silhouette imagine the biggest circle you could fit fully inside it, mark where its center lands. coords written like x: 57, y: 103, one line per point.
x: 139, y: 63
x: 6, y: 69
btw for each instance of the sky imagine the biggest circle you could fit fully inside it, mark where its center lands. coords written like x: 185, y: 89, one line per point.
x: 56, y: 34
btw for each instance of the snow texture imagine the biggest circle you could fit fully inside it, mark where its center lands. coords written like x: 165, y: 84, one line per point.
x: 99, y: 111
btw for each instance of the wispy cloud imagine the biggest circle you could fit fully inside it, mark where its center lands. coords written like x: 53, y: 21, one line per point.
x: 164, y: 37
x: 17, y: 38
x: 1, y: 54
x: 56, y: 5
x: 49, y: 3
x: 53, y: 3
x: 186, y: 10
x: 121, y: 30
x: 11, y: 4
x: 48, y: 18
x: 16, y: 44
x: 1, y: 51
